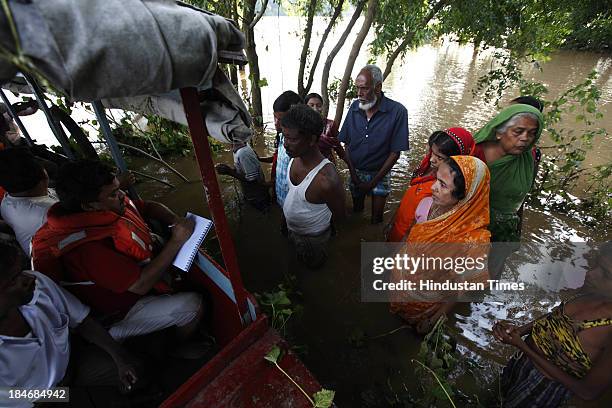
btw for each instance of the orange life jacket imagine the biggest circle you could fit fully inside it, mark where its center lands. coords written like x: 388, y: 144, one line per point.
x: 63, y: 232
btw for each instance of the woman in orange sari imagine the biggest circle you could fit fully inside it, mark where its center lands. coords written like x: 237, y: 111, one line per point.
x: 456, y: 213
x: 442, y: 144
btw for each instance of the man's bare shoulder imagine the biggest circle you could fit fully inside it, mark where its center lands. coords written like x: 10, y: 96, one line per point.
x: 329, y: 178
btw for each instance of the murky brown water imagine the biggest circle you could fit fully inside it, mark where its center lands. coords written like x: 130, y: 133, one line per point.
x: 435, y: 84
x: 333, y: 314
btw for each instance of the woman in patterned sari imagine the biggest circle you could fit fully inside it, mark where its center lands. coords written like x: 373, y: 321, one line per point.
x: 457, y: 215
x: 442, y: 144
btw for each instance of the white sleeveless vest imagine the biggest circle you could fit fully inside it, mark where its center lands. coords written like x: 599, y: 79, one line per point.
x: 303, y: 217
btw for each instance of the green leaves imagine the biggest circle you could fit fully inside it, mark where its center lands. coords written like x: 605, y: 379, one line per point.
x: 263, y: 82
x: 278, y: 305
x: 563, y: 168
x: 323, y: 398
x: 273, y: 355
x: 436, y: 362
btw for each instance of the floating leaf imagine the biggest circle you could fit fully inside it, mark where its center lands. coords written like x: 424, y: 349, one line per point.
x: 273, y: 355
x: 323, y: 398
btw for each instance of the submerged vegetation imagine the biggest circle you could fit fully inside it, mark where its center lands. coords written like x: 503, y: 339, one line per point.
x: 522, y: 33
x: 282, y: 305
x: 320, y: 399
x: 565, y: 183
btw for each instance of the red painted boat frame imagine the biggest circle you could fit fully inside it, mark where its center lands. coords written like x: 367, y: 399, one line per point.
x: 239, y: 371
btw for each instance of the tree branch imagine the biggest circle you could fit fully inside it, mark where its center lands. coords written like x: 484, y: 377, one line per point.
x: 259, y: 15
x: 363, y: 32
x: 330, y: 58
x: 304, y: 55
x: 328, y: 29
x: 410, y: 36
x: 169, y: 167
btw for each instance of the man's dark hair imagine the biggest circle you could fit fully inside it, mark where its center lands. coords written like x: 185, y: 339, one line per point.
x: 306, y: 120
x: 445, y: 143
x: 80, y: 182
x: 529, y: 100
x: 285, y: 100
x: 9, y: 255
x: 458, y: 179
x: 313, y: 95
x: 19, y: 170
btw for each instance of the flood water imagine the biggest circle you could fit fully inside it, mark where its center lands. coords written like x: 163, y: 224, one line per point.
x: 435, y: 84
x: 333, y: 330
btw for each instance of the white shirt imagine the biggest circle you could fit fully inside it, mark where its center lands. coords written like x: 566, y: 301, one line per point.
x: 304, y: 217
x: 247, y: 164
x: 40, y: 359
x: 26, y: 215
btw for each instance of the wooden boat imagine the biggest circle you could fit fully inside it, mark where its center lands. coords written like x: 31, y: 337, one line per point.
x: 237, y: 375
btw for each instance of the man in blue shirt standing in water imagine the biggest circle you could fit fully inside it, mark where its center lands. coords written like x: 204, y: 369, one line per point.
x: 375, y: 132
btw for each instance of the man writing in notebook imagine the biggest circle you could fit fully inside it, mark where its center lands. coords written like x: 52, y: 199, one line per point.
x: 97, y: 243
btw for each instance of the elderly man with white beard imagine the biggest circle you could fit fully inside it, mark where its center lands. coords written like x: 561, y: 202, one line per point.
x: 375, y: 132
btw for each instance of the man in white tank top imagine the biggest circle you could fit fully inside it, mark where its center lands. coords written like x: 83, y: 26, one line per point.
x: 316, y: 195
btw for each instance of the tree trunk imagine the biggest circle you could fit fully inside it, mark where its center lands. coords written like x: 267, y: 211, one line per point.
x: 234, y: 76
x: 315, y: 62
x: 363, y: 32
x: 334, y: 52
x: 233, y: 68
x: 410, y: 36
x: 251, y: 53
x: 307, y: 35
x: 262, y: 11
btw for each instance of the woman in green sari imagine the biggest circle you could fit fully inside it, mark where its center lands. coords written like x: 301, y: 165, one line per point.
x: 507, y: 143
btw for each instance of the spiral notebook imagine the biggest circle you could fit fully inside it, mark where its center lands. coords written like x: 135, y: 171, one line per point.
x: 188, y: 251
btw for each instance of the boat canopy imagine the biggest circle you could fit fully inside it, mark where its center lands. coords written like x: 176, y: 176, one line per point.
x: 132, y: 54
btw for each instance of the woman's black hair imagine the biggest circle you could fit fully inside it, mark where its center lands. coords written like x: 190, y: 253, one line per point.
x: 458, y: 179
x: 285, y: 100
x: 529, y: 100
x: 312, y: 95
x: 445, y: 143
x: 19, y: 170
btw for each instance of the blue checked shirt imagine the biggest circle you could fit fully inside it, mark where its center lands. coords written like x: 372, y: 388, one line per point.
x: 282, y: 165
